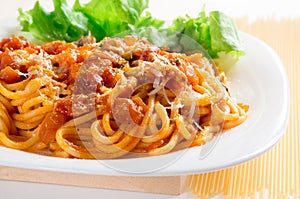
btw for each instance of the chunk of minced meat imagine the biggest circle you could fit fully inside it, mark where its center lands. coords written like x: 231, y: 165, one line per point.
x: 99, y: 69
x: 75, y: 106
x: 128, y: 47
x: 85, y: 40
x: 126, y: 110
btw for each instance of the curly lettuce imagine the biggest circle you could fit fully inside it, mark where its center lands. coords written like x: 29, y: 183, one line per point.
x: 63, y: 23
x: 101, y: 18
x: 215, y: 32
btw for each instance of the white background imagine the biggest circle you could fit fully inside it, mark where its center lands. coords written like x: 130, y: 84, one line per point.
x: 164, y: 9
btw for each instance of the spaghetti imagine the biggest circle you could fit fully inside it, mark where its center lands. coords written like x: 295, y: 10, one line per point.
x: 105, y: 100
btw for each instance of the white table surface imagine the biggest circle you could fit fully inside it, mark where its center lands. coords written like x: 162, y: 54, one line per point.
x: 164, y: 9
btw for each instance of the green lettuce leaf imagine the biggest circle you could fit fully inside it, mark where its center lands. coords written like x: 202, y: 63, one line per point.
x: 109, y: 18
x: 149, y: 21
x: 215, y: 34
x: 63, y: 23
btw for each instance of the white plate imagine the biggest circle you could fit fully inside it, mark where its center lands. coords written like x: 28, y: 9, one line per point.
x: 258, y: 79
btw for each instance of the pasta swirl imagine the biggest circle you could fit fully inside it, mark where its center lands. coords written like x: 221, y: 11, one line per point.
x: 122, y: 97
